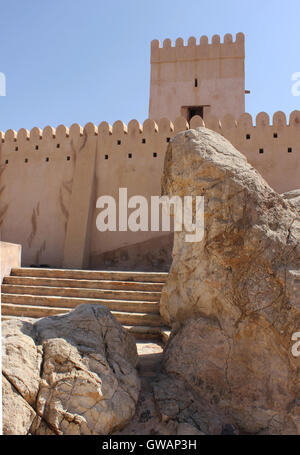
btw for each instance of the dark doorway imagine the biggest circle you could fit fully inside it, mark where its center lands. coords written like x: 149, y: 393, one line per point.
x: 195, y: 110
x: 190, y: 111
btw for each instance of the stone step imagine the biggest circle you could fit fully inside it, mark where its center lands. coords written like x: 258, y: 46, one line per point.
x: 82, y: 283
x: 73, y: 302
x: 147, y: 277
x: 165, y: 334
x: 34, y: 311
x: 147, y: 332
x: 80, y: 292
x: 139, y: 332
x: 132, y: 297
x: 150, y: 357
x: 23, y: 318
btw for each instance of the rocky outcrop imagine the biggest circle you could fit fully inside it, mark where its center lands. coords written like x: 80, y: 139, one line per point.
x: 70, y: 374
x: 232, y: 298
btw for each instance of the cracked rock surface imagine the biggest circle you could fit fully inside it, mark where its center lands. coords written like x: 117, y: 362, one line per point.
x: 233, y: 299
x: 69, y: 374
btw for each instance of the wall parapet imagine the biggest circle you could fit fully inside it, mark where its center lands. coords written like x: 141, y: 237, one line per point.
x: 10, y: 140
x: 228, y: 48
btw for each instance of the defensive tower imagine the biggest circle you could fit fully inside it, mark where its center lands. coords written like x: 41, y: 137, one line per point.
x: 198, y: 78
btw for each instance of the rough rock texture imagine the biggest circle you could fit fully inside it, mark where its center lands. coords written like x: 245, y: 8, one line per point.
x: 293, y: 197
x: 69, y: 374
x: 233, y: 298
x: 17, y: 414
x: 151, y: 417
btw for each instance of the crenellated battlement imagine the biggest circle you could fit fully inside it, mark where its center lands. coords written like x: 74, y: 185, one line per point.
x: 203, y: 40
x: 270, y: 145
x: 203, y: 49
x: 136, y: 130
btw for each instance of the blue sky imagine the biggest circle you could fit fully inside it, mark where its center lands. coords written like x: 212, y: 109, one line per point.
x: 79, y: 61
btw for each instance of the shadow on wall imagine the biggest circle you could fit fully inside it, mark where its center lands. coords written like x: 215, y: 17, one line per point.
x: 151, y: 255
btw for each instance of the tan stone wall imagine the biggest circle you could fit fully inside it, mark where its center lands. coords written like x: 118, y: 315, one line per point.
x: 272, y: 147
x: 217, y: 66
x: 37, y: 170
x: 141, y: 173
x: 50, y: 180
x: 10, y: 257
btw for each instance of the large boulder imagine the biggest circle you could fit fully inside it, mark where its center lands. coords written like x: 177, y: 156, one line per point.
x: 233, y: 299
x: 69, y: 374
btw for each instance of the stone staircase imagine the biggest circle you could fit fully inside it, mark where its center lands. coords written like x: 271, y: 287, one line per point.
x: 132, y: 297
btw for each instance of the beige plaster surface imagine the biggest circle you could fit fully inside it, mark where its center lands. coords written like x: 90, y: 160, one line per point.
x: 10, y: 257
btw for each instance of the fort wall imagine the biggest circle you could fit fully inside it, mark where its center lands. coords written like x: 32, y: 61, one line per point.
x: 51, y: 179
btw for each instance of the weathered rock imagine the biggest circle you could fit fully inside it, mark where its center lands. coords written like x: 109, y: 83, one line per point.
x: 293, y: 194
x: 75, y: 372
x: 21, y: 360
x: 293, y: 197
x: 18, y: 416
x: 234, y: 298
x: 184, y: 429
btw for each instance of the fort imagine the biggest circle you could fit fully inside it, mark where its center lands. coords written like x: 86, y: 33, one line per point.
x: 52, y: 178
x: 137, y: 331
